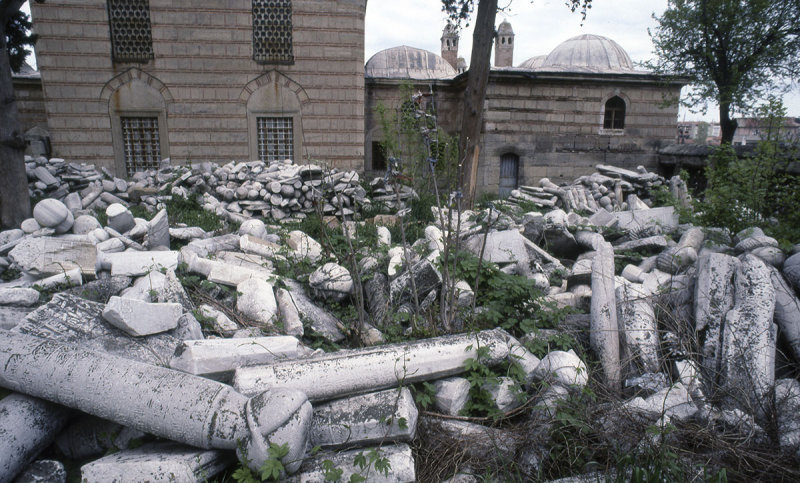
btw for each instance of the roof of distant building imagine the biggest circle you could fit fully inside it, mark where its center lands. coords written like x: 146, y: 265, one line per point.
x: 406, y: 62
x: 533, y: 63
x: 586, y: 53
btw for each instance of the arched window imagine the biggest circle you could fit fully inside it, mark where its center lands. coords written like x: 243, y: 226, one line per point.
x: 615, y: 114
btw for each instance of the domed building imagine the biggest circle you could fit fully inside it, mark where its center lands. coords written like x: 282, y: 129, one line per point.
x: 406, y: 62
x: 555, y: 115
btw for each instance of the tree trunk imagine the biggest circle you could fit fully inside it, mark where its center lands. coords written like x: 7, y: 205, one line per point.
x: 726, y: 124
x: 475, y: 93
x: 15, y: 204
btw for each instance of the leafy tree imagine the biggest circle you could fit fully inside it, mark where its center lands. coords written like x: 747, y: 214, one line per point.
x: 18, y: 38
x: 15, y: 204
x: 733, y: 51
x: 478, y: 76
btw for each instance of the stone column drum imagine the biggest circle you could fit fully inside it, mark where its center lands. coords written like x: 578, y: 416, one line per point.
x: 156, y: 400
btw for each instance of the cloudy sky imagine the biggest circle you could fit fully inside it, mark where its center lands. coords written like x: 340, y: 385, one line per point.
x: 539, y: 26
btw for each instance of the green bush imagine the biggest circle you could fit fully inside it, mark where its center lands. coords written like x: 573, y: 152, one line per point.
x: 754, y: 190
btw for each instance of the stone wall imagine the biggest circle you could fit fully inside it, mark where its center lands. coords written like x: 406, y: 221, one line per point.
x: 30, y: 102
x: 203, y: 82
x: 555, y: 125
x: 389, y: 93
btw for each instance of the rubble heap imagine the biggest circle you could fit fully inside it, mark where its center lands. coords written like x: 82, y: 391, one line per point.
x: 236, y: 191
x: 125, y: 351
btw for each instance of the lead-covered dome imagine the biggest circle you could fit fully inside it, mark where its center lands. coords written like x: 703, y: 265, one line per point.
x: 588, y: 53
x: 533, y: 63
x: 406, y: 62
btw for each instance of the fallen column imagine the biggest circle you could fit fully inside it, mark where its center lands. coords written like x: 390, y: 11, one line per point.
x: 604, y: 332
x: 748, y: 339
x: 787, y: 311
x: 163, y: 402
x: 213, y: 356
x: 27, y: 426
x: 365, y: 370
x: 639, y: 341
x: 713, y: 298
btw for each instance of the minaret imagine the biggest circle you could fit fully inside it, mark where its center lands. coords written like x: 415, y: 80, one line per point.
x: 504, y: 45
x: 450, y: 45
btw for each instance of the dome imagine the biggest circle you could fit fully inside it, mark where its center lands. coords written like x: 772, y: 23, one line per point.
x: 406, y: 62
x: 588, y: 53
x: 533, y: 62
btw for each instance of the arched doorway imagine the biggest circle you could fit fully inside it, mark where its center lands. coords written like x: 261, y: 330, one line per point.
x: 509, y: 174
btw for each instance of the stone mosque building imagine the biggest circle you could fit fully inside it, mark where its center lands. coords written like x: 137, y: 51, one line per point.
x: 126, y: 83
x: 555, y: 115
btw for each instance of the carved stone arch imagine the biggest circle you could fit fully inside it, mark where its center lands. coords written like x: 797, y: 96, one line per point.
x: 278, y: 79
x: 137, y: 108
x: 135, y: 74
x: 615, y: 93
x: 271, y: 100
x: 508, y: 148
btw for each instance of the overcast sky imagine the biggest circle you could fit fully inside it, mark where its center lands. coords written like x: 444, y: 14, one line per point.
x: 539, y: 26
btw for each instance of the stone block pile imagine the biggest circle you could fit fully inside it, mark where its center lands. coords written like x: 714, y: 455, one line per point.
x: 610, y: 188
x: 280, y: 190
x: 122, y: 353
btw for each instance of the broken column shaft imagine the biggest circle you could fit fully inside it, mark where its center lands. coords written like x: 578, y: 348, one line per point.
x: 604, y: 332
x: 156, y: 400
x: 365, y: 370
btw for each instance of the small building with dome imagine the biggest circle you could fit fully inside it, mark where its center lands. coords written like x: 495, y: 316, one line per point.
x: 555, y: 115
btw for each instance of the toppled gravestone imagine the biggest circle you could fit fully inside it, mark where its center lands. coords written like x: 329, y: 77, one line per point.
x: 44, y: 256
x: 71, y: 319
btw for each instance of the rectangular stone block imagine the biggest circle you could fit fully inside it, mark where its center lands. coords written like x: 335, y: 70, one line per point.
x: 400, y: 457
x: 133, y: 264
x: 45, y: 256
x: 157, y: 462
x: 385, y: 416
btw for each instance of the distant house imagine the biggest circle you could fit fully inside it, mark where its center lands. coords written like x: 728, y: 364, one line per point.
x: 751, y: 130
x: 555, y: 115
x: 690, y: 132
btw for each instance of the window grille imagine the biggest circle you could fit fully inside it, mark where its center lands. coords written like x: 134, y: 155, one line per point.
x: 272, y: 31
x: 142, y: 148
x: 131, y: 39
x: 615, y: 114
x: 275, y: 138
